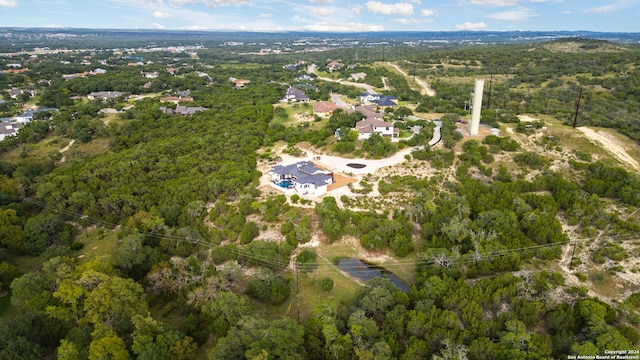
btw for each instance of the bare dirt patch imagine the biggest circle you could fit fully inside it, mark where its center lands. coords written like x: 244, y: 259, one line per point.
x: 609, y: 142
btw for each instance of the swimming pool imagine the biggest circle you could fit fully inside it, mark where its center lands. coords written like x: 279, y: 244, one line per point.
x: 285, y: 184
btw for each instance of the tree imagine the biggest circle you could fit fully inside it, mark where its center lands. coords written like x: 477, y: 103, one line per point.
x: 155, y: 340
x: 108, y: 346
x: 11, y: 233
x: 8, y: 272
x: 68, y: 350
x: 114, y: 302
x: 41, y: 231
x: 225, y: 310
x: 255, y: 338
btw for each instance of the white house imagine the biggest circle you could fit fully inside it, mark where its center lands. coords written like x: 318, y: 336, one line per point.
x: 104, y: 95
x: 303, y: 178
x: 372, y: 125
x: 7, y: 130
x: 358, y: 76
x: 368, y: 98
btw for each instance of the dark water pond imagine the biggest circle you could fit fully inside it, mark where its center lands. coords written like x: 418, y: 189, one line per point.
x: 356, y: 165
x: 364, y: 271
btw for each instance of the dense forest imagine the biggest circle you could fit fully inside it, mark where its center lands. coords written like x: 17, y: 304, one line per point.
x: 150, y: 236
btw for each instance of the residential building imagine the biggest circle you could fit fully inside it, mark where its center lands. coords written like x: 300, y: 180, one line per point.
x: 182, y: 110
x: 324, y: 108
x: 303, y: 178
x: 334, y: 65
x: 104, y: 95
x: 27, y: 116
x: 373, y: 125
x: 368, y: 97
x: 239, y: 83
x: 150, y: 74
x: 7, y: 130
x: 295, y: 95
x: 358, y: 76
x: 176, y: 99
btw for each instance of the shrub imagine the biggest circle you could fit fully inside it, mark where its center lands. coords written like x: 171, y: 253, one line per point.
x: 326, y: 284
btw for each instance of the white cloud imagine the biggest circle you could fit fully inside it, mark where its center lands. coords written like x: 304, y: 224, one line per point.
x: 418, y: 2
x: 211, y: 3
x: 357, y: 9
x: 427, y: 12
x: 601, y: 10
x: 195, y: 27
x: 265, y: 15
x: 389, y: 9
x: 471, y: 26
x: 160, y: 15
x: 8, y: 4
x: 320, y: 1
x: 157, y: 26
x: 408, y: 21
x: 514, y: 16
x: 343, y: 27
x: 323, y: 11
x: 494, y: 2
x: 566, y: 12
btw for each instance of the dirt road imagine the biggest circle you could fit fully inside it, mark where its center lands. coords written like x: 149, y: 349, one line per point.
x: 609, y: 143
x: 426, y: 88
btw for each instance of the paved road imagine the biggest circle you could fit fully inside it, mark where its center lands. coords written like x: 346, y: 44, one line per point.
x: 338, y: 100
x: 340, y: 164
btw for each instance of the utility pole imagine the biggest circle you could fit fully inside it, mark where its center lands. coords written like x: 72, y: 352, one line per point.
x: 298, y: 292
x: 382, y: 52
x: 572, y: 253
x: 489, y: 96
x: 575, y: 119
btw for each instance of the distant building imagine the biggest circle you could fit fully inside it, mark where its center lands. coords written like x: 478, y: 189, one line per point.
x: 182, y: 110
x: 104, y: 95
x: 358, y: 76
x: 239, y: 83
x: 295, y: 95
x: 334, y: 65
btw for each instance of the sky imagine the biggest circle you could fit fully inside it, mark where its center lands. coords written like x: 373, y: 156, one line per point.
x: 327, y: 15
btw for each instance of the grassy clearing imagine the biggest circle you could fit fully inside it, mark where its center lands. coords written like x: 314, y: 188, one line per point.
x: 100, y: 242
x: 344, y: 289
x: 35, y: 152
x: 93, y: 147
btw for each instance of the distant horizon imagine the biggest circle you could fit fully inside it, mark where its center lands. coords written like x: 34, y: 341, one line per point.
x: 346, y: 16
x: 311, y: 31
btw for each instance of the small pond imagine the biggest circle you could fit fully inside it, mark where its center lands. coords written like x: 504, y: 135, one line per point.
x: 365, y: 272
x: 356, y: 165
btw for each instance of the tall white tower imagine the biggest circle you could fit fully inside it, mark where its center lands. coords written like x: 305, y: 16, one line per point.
x: 477, y: 106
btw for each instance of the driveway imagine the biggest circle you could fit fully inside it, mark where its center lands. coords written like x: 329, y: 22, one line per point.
x: 338, y: 101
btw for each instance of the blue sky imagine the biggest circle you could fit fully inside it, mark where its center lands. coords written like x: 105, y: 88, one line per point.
x: 326, y: 15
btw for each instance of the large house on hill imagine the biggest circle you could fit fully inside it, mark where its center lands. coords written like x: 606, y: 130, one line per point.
x: 294, y: 94
x: 371, y: 125
x: 369, y: 98
x: 302, y: 177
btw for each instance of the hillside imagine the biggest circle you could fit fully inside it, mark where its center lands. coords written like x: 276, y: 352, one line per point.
x: 169, y: 220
